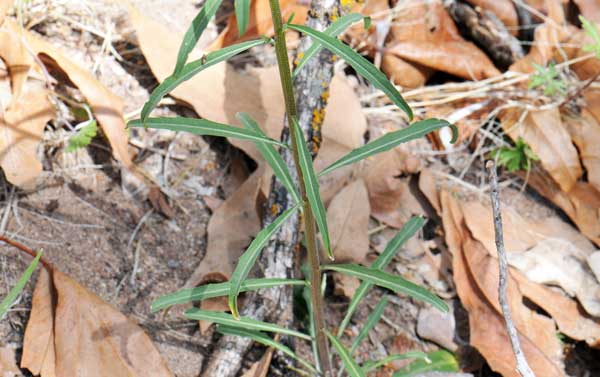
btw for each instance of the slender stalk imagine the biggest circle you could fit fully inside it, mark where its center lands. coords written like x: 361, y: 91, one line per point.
x: 309, y: 220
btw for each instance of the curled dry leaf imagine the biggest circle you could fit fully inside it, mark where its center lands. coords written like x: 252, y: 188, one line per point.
x: 348, y: 221
x: 424, y: 33
x: 476, y: 283
x: 407, y: 75
x: 72, y: 331
x: 106, y: 106
x: 549, y: 139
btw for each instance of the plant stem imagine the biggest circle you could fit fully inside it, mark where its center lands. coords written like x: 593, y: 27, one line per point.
x: 309, y: 221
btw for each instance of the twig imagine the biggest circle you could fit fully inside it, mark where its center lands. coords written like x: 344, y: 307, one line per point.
x: 28, y: 251
x: 522, y: 366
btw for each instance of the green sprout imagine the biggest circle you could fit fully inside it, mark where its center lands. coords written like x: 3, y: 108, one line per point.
x: 83, y: 137
x: 591, y: 29
x: 547, y: 78
x: 517, y: 157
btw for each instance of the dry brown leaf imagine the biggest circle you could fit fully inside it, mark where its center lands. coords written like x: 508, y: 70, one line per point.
x: 333, y: 182
x: 72, y: 332
x: 424, y: 33
x: 590, y: 9
x: 261, y: 367
x: 487, y: 330
x: 345, y: 285
x: 503, y: 9
x: 549, y: 139
x: 259, y: 22
x: 348, y: 219
x: 106, y: 106
x: 581, y: 204
x: 585, y: 69
x: 407, y: 75
x: 21, y: 131
x: 585, y: 133
x: 230, y: 230
x: 5, y: 6
x: 547, y: 38
x: 8, y: 365
x: 215, y: 304
x: 389, y: 194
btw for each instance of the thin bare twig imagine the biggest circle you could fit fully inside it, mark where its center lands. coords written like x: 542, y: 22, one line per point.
x: 522, y: 366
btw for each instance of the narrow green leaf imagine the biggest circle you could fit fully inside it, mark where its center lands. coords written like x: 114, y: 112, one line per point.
x: 202, y: 127
x: 372, y: 320
x: 192, y: 68
x: 193, y: 33
x: 242, y: 15
x: 244, y: 322
x: 247, y: 260
x: 351, y: 366
x: 408, y: 230
x: 436, y: 361
x: 367, y: 22
x: 391, y: 140
x: 264, y: 339
x: 14, y: 293
x: 365, y: 68
x: 207, y: 291
x: 83, y: 137
x: 312, y: 186
x: 389, y: 281
x: 372, y: 364
x: 272, y: 157
x: 335, y: 29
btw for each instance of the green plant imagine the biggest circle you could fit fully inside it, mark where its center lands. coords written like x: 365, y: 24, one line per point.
x: 305, y: 192
x: 547, y: 78
x: 8, y: 301
x: 515, y: 158
x: 86, y: 131
x: 592, y: 31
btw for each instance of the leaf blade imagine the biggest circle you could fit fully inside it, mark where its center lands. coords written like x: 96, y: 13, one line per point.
x: 359, y: 63
x: 194, y: 32
x: 335, y: 29
x: 272, y: 157
x: 201, y: 127
x: 437, y: 361
x: 243, y: 322
x: 247, y: 260
x: 391, y: 140
x: 408, y: 230
x: 350, y: 365
x: 370, y: 365
x: 192, y: 68
x: 372, y: 320
x: 207, y: 291
x: 312, y: 186
x: 16, y: 290
x: 389, y: 281
x: 262, y: 338
x: 242, y: 15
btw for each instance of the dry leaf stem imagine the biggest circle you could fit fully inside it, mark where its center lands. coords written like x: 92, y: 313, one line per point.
x: 28, y: 251
x: 522, y: 366
x: 309, y: 221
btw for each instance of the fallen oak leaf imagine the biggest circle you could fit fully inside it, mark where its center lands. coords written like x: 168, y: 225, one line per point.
x: 72, y: 331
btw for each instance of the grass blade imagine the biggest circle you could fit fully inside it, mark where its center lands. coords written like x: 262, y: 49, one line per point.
x: 408, y: 230
x: 370, y: 365
x: 207, y: 291
x: 391, y: 140
x: 244, y: 322
x: 242, y: 15
x: 365, y: 68
x: 335, y: 29
x: 372, y: 320
x: 272, y: 157
x: 312, y: 187
x: 264, y: 339
x: 351, y: 366
x: 202, y: 127
x: 14, y: 293
x: 192, y: 68
x: 247, y: 260
x: 436, y: 361
x: 193, y: 33
x: 391, y: 282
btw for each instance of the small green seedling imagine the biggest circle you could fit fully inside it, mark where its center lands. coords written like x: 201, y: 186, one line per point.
x: 9, y: 300
x: 548, y: 78
x: 83, y: 137
x: 591, y: 29
x: 515, y: 158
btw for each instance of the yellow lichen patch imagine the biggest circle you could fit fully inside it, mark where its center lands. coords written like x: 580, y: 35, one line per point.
x: 275, y: 210
x: 348, y: 4
x: 299, y: 57
x: 317, y: 119
x: 325, y: 96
